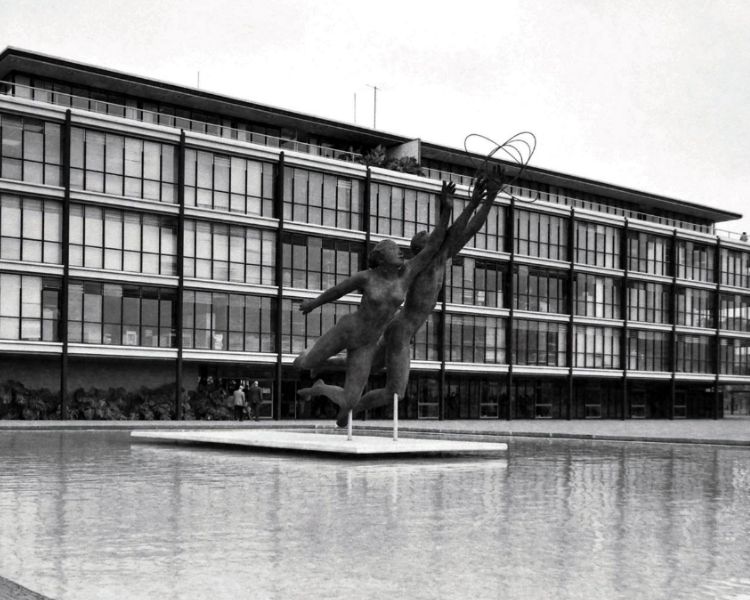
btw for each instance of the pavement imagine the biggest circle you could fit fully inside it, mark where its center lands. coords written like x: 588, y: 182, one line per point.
x: 729, y: 431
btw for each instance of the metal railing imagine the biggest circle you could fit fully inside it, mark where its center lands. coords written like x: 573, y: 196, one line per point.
x: 143, y: 115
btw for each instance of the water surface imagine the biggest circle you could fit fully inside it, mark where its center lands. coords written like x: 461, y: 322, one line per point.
x: 87, y: 515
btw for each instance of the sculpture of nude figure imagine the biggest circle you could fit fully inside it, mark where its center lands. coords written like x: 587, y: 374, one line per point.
x: 383, y: 286
x: 423, y: 294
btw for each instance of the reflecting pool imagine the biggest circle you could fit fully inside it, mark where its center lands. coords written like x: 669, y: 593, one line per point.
x: 87, y: 515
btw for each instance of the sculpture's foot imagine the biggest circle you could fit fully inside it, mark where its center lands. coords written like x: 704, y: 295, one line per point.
x: 342, y: 419
x: 314, y: 390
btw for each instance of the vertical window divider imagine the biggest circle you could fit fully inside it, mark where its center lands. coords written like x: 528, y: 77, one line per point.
x: 625, y: 311
x: 717, y: 323
x: 180, y: 296
x: 278, y: 201
x: 509, y: 335
x: 673, y: 319
x: 367, y: 201
x: 442, y: 347
x: 569, y: 333
x: 64, y: 297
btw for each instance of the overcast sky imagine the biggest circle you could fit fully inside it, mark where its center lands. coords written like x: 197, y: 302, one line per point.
x: 648, y: 94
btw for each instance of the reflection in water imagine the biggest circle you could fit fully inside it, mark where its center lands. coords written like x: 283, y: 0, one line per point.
x: 87, y: 515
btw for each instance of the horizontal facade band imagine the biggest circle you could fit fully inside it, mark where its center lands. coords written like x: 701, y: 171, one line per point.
x: 75, y: 349
x: 230, y: 287
x: 231, y: 218
x: 124, y: 202
x: 29, y: 347
x: 489, y: 369
x: 23, y: 188
x: 28, y: 268
x: 234, y: 357
x: 320, y: 230
x: 123, y: 277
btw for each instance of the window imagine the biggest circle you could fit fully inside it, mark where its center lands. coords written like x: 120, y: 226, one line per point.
x: 234, y: 322
x: 29, y: 307
x: 30, y: 229
x: 123, y: 166
x: 694, y: 307
x: 475, y: 339
x: 734, y: 356
x: 597, y: 245
x: 735, y: 268
x: 694, y: 354
x: 319, y: 263
x: 648, y: 302
x: 126, y: 315
x: 228, y: 183
x: 648, y: 253
x: 734, y: 312
x: 648, y: 350
x: 229, y: 253
x: 30, y: 150
x: 426, y: 343
x: 322, y: 199
x: 401, y: 212
x: 475, y: 282
x: 596, y: 347
x: 537, y: 234
x: 695, y: 261
x: 122, y: 240
x: 539, y: 343
x: 596, y: 296
x: 540, y: 290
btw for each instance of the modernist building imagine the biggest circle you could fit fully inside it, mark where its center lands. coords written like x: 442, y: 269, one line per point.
x: 157, y: 238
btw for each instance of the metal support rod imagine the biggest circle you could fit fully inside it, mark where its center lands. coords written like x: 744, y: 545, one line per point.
x: 349, y: 427
x: 395, y: 417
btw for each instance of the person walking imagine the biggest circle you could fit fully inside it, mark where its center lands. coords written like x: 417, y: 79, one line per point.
x: 239, y: 403
x: 255, y: 397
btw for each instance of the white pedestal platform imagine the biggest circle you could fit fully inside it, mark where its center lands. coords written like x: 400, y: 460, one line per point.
x: 360, y: 446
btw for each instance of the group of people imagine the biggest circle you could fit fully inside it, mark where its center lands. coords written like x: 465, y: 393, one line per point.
x: 379, y: 333
x: 247, y: 402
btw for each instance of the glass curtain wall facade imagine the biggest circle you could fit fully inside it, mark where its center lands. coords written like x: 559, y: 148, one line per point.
x: 189, y: 258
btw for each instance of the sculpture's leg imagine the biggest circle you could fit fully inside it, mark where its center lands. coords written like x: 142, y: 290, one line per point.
x: 329, y: 344
x: 359, y: 362
x: 321, y: 388
x: 397, y: 373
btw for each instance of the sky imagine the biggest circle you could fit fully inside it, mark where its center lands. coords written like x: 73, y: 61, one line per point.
x: 650, y: 95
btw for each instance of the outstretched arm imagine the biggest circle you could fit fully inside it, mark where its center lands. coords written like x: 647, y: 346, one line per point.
x: 477, y: 221
x: 355, y: 282
x: 455, y: 231
x: 421, y: 260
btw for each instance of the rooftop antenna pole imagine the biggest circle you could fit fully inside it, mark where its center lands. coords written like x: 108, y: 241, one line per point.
x: 199, y: 80
x: 374, y: 104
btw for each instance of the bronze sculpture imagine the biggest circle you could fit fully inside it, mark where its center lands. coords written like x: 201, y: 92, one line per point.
x: 423, y: 294
x: 393, y: 349
x: 383, y: 286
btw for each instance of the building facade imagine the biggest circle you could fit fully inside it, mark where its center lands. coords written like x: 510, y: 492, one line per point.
x: 155, y: 242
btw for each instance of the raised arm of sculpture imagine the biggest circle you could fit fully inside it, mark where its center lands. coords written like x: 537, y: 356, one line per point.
x: 463, y: 229
x: 437, y: 237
